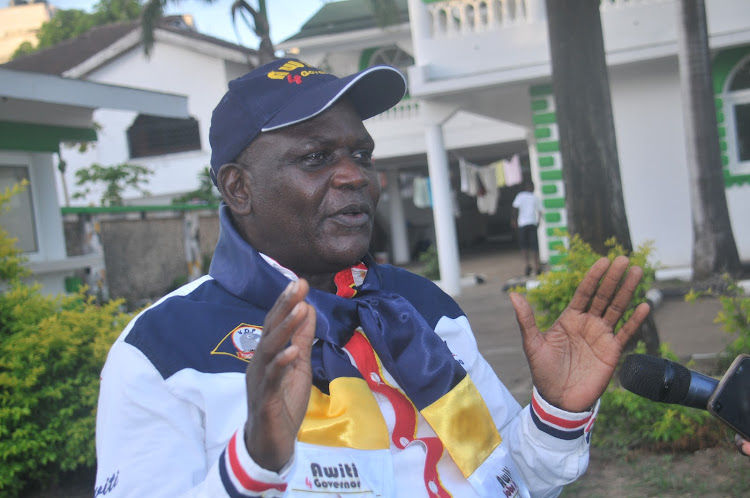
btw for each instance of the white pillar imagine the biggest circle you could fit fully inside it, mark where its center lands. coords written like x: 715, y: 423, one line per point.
x: 537, y: 179
x: 536, y: 11
x: 399, y: 235
x: 420, y: 25
x: 442, y: 210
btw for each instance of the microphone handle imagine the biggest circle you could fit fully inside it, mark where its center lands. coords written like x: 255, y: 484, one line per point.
x: 701, y: 389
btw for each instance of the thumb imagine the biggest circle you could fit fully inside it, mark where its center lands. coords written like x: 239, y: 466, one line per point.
x: 525, y: 318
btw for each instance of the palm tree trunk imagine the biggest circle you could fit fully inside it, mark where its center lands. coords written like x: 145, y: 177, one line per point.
x: 591, y: 168
x: 714, y: 248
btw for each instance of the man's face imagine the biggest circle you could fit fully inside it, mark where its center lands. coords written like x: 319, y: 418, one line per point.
x: 313, y: 192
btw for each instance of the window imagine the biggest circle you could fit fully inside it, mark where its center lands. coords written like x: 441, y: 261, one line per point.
x: 156, y: 136
x: 19, y: 220
x: 392, y: 56
x: 738, y: 117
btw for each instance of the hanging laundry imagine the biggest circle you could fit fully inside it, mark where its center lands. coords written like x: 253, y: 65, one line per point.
x: 513, y: 175
x: 468, y: 178
x: 487, y: 177
x: 499, y: 173
x: 422, y: 195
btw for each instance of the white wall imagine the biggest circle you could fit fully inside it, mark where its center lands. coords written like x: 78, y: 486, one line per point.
x: 651, y: 144
x: 170, y: 68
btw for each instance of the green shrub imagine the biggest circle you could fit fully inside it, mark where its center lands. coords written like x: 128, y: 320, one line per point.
x: 556, y: 288
x: 431, y: 264
x: 52, y: 350
x: 625, y: 420
x: 734, y: 317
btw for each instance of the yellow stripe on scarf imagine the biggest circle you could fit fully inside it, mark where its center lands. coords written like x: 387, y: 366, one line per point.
x: 464, y: 425
x: 350, y: 417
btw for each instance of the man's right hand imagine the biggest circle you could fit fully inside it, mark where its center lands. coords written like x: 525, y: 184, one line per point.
x: 279, y: 377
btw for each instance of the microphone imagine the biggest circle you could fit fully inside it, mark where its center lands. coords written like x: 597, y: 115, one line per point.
x: 662, y: 380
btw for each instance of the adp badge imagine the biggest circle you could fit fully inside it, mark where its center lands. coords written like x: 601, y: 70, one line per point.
x: 241, y: 342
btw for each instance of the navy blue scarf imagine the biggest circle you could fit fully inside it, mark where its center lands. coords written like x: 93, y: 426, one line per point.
x: 408, y: 347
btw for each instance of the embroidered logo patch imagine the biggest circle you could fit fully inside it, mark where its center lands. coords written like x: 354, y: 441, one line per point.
x: 241, y: 342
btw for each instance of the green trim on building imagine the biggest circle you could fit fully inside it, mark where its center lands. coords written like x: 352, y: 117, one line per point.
x: 544, y: 147
x: 546, y: 161
x: 557, y: 232
x: 554, y: 203
x: 136, y: 209
x: 541, y: 90
x: 723, y: 65
x: 551, y: 175
x: 544, y: 119
x: 549, y: 189
x: 556, y: 259
x: 736, y: 180
x: 41, y: 138
x: 552, y: 217
x: 365, y: 56
x: 556, y: 245
x: 542, y: 132
x: 539, y: 105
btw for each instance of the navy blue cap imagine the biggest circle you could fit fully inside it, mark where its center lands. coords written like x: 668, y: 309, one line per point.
x: 288, y: 91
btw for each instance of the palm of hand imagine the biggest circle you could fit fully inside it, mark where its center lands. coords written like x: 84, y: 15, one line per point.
x: 572, y: 363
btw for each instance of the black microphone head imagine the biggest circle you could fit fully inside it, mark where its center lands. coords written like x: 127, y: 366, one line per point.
x: 655, y: 378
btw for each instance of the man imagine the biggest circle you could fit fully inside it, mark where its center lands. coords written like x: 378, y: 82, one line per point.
x: 298, y: 366
x: 526, y: 213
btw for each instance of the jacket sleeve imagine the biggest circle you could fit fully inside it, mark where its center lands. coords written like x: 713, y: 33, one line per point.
x: 549, y: 446
x: 150, y: 442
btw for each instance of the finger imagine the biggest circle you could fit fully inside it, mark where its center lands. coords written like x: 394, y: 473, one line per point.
x: 305, y: 333
x: 530, y: 335
x: 271, y: 367
x: 608, y: 286
x: 743, y: 446
x: 587, y: 287
x: 624, y: 294
x: 631, y: 326
x: 294, y: 293
x: 276, y: 338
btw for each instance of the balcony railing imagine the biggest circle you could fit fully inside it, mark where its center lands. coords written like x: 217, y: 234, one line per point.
x: 456, y: 17
x: 408, y: 109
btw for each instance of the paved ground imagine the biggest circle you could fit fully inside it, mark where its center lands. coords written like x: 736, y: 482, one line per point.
x: 688, y: 328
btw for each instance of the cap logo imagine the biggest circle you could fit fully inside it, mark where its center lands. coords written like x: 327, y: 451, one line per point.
x: 284, y: 72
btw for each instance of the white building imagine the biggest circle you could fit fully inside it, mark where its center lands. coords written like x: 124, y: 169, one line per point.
x: 39, y: 111
x: 481, y: 65
x: 182, y: 62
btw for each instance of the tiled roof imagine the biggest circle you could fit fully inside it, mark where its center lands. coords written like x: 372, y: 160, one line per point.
x: 70, y: 53
x: 340, y: 17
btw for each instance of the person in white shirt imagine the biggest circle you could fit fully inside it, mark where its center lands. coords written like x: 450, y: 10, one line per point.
x: 527, y: 210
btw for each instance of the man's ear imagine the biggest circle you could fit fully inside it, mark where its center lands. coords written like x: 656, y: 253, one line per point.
x: 233, y: 182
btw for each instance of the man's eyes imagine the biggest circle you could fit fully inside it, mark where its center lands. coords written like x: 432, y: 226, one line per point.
x: 362, y: 156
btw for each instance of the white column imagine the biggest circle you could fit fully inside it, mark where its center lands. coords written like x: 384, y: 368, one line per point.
x: 536, y: 11
x: 536, y: 178
x: 419, y: 23
x: 399, y: 236
x: 442, y: 210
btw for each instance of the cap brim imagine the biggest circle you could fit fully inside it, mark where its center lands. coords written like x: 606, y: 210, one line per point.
x: 372, y: 91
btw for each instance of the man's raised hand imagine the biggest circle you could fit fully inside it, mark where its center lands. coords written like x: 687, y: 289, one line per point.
x: 572, y: 363
x: 279, y: 377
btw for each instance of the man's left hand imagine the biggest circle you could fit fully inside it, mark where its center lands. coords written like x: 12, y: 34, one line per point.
x: 572, y: 363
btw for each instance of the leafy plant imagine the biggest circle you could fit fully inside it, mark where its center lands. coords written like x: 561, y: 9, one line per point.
x: 431, y: 264
x: 116, y: 180
x: 51, y: 353
x: 206, y: 193
x: 556, y: 288
x: 11, y: 257
x: 734, y: 317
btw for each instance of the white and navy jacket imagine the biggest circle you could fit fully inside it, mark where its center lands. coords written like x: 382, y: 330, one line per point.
x: 173, y: 405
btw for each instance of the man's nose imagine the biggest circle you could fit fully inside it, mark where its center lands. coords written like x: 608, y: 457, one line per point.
x: 349, y: 173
